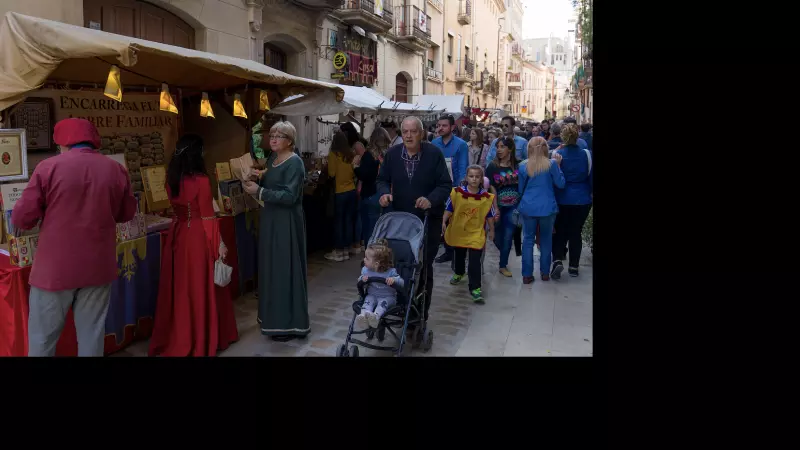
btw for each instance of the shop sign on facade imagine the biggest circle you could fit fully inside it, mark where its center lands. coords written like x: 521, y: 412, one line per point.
x: 362, y: 62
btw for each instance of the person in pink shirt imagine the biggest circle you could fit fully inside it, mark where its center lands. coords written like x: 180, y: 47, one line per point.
x: 79, y: 196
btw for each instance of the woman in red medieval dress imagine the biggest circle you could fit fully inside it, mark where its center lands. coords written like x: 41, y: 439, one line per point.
x: 194, y: 317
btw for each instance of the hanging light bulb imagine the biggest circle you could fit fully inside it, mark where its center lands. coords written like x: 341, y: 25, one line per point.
x: 113, y: 84
x: 238, y: 107
x: 263, y: 101
x: 205, y: 107
x: 166, y: 103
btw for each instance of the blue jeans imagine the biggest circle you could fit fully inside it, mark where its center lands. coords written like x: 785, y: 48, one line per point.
x: 370, y: 211
x: 345, y: 210
x: 545, y: 243
x: 504, y: 234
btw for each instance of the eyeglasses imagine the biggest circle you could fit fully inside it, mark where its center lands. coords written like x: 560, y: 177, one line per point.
x: 278, y: 136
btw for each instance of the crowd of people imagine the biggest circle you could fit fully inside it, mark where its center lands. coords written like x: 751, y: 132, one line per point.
x: 529, y: 185
x: 501, y: 184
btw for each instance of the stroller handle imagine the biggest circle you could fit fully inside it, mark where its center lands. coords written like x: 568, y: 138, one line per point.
x: 362, y: 283
x: 385, y: 209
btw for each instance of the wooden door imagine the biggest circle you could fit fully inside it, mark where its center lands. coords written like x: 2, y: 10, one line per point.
x: 401, y: 88
x: 138, y: 19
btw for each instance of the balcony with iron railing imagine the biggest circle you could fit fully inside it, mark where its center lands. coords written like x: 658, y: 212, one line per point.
x: 363, y: 14
x: 516, y: 51
x: 464, y: 12
x: 433, y: 74
x: 515, y: 81
x: 410, y: 31
x: 465, y: 70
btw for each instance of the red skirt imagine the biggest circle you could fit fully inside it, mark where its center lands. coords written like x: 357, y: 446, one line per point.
x: 194, y: 317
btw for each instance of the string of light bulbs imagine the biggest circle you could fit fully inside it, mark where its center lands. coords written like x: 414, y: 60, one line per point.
x: 113, y: 90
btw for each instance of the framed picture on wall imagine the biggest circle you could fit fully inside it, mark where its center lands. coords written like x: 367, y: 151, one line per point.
x: 13, y: 155
x: 37, y: 116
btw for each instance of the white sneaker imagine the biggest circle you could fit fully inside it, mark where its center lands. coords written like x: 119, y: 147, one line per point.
x: 361, y: 323
x: 372, y: 319
x: 334, y: 256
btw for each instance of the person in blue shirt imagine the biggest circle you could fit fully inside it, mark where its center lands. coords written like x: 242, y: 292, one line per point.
x: 538, y: 178
x: 457, y: 151
x: 574, y: 201
x: 507, y: 125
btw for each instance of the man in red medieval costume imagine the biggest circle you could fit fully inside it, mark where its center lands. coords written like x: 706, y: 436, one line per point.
x: 79, y: 196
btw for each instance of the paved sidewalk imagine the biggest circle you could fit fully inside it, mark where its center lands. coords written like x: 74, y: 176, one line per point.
x: 552, y: 318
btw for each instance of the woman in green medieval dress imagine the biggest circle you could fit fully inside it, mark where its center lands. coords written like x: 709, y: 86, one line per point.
x: 282, y: 282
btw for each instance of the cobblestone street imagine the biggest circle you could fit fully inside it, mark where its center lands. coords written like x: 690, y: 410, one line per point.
x: 552, y: 318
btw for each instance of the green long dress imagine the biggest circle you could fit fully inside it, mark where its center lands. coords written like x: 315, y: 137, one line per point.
x: 282, y: 270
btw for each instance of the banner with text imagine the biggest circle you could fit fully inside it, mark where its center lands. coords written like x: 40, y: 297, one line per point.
x: 135, y: 127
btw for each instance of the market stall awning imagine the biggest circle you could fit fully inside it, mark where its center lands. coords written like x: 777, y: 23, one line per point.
x: 451, y: 104
x: 34, y: 50
x: 358, y: 99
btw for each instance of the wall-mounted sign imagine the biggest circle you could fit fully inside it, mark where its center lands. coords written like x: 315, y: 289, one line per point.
x: 362, y: 69
x: 13, y: 155
x: 95, y: 25
x: 336, y: 75
x: 339, y: 60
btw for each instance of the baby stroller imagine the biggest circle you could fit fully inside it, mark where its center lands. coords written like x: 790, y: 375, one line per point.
x: 405, y: 233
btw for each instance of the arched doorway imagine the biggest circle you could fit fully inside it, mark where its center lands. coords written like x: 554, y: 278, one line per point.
x: 138, y: 19
x: 401, y: 88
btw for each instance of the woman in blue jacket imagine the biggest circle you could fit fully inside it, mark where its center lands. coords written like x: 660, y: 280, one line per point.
x: 538, y: 177
x: 574, y: 201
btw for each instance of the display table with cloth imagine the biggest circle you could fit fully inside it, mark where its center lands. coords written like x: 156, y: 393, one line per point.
x: 130, y: 311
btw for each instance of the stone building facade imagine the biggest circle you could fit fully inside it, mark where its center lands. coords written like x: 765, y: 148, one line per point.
x: 386, y: 40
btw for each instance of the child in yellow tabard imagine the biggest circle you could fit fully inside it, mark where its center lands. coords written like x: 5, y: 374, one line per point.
x: 469, y: 209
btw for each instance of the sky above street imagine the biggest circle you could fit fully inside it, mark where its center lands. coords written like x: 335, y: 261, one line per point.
x: 543, y: 17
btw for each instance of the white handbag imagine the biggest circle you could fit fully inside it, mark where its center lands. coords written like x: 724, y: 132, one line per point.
x: 222, y: 273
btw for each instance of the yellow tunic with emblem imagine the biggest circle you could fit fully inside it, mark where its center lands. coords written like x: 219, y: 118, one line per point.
x: 467, y: 224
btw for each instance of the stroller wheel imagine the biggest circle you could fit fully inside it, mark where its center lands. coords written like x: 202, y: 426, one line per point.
x: 342, y: 353
x: 427, y: 341
x: 381, y: 334
x: 370, y: 334
x: 354, y: 351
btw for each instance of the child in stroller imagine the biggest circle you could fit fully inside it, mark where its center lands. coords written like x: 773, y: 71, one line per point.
x: 380, y: 297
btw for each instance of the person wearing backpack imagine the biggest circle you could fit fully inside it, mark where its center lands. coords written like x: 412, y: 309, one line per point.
x: 574, y: 201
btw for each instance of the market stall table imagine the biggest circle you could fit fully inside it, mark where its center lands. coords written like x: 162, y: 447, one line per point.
x: 131, y: 307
